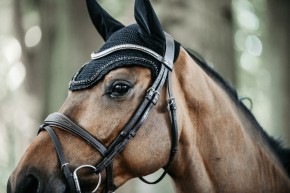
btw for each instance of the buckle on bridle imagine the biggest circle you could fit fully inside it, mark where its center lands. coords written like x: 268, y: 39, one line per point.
x: 171, y: 103
x: 76, y: 180
x: 151, y: 92
x: 63, y: 165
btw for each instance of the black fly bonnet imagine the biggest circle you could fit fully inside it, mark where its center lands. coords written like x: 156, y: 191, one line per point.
x: 94, y: 70
x: 144, y: 44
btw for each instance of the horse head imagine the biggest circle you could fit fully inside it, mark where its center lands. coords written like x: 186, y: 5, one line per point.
x: 94, y: 135
x: 128, y: 109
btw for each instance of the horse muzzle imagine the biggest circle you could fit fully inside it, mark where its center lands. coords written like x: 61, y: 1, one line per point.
x: 35, y: 182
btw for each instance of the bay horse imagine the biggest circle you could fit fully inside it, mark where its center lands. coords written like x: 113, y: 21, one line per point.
x: 143, y: 103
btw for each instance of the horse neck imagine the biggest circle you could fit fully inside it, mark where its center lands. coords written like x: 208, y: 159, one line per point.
x: 219, y: 148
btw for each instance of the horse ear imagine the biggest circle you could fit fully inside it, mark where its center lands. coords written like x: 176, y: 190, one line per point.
x: 148, y: 22
x: 103, y: 22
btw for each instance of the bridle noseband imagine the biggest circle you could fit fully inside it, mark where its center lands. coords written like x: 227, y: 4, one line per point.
x: 150, y: 99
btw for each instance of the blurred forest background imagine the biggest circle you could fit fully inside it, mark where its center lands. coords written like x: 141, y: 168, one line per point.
x: 43, y: 43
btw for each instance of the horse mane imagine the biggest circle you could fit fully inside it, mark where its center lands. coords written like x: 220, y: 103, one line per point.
x: 283, y: 154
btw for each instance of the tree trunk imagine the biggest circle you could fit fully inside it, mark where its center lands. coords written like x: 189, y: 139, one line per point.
x: 68, y: 40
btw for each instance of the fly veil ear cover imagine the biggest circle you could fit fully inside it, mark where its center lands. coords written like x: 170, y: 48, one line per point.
x: 150, y: 27
x: 103, y: 22
x: 147, y: 33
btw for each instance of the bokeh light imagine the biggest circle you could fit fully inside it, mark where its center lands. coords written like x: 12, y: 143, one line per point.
x: 11, y: 49
x: 253, y: 45
x: 15, y: 76
x: 33, y: 36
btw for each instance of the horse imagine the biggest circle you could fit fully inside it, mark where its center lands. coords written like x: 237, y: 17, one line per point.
x: 143, y: 103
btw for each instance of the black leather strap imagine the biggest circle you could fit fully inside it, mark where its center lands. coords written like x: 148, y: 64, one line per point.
x: 61, y: 121
x: 140, y: 110
x: 64, y: 165
x: 110, y: 187
x: 172, y: 108
x: 168, y: 60
x: 169, y: 53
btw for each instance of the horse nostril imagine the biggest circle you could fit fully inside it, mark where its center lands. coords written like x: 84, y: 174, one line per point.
x: 30, y: 184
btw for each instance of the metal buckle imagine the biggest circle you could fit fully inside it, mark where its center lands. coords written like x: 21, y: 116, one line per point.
x: 171, y: 103
x: 151, y: 92
x: 64, y: 165
x: 77, y: 184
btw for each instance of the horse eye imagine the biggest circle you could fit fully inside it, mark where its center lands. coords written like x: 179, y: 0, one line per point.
x: 120, y: 89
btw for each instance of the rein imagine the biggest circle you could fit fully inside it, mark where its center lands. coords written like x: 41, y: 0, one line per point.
x: 150, y: 99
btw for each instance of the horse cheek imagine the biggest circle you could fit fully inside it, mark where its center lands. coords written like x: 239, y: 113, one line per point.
x: 149, y: 150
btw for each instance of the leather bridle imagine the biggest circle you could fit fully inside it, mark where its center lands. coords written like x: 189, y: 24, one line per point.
x: 60, y: 121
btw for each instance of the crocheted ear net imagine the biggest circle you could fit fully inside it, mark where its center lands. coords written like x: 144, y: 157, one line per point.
x: 93, y: 71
